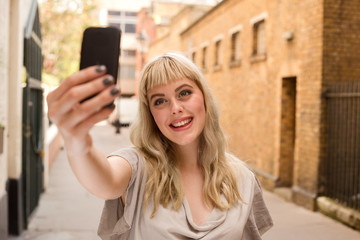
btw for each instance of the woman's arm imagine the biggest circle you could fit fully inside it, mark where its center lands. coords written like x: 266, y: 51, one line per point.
x: 105, y: 178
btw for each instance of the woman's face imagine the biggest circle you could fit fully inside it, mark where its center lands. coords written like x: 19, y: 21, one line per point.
x: 178, y: 110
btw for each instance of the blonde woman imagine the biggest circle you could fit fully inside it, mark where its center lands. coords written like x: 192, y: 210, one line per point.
x: 178, y: 181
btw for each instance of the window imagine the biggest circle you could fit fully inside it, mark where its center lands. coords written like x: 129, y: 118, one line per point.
x: 116, y: 25
x: 235, y: 47
x: 127, y: 72
x: 129, y: 53
x: 130, y: 28
x: 193, y: 56
x: 259, y: 38
x: 114, y: 13
x: 217, y: 56
x: 203, y: 62
x: 131, y: 14
x: 126, y: 21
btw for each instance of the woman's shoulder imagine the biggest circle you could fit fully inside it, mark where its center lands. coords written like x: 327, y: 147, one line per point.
x: 127, y: 153
x: 131, y: 154
x: 239, y: 167
x: 245, y: 178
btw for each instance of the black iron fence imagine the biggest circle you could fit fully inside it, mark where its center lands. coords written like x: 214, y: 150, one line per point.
x: 342, y: 165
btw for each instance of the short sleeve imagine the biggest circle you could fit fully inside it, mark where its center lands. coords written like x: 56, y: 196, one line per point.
x: 259, y: 220
x: 117, y: 218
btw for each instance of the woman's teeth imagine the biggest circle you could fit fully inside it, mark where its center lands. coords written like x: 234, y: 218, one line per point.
x: 182, y: 123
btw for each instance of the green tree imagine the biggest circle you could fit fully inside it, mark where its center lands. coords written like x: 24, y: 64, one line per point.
x: 62, y: 25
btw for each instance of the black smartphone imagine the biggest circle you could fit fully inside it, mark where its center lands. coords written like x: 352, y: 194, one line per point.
x: 101, y: 46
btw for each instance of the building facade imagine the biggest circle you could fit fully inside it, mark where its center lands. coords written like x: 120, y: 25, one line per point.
x: 169, y: 34
x: 271, y: 65
x: 126, y: 21
x: 123, y: 15
x: 257, y: 61
x: 24, y: 156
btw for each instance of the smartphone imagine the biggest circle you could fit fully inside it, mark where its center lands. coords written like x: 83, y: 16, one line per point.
x: 101, y: 46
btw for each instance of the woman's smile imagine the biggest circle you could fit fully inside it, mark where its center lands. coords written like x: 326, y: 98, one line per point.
x: 182, y: 123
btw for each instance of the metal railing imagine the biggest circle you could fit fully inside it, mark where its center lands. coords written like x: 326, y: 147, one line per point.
x: 342, y: 165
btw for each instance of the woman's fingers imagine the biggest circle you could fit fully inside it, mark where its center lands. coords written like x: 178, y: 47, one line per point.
x: 84, y: 91
x: 79, y: 102
x: 80, y: 77
x: 83, y: 113
x: 101, y: 115
x: 71, y: 99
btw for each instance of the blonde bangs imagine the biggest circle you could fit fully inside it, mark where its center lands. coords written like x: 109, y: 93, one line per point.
x: 163, y: 70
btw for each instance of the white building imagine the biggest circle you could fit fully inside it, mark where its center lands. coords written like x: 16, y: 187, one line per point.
x: 23, y: 155
x: 123, y: 15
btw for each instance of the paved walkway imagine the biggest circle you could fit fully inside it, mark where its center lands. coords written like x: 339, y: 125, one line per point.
x: 68, y: 212
x: 292, y: 222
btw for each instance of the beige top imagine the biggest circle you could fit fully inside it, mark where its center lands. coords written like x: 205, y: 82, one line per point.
x: 247, y: 221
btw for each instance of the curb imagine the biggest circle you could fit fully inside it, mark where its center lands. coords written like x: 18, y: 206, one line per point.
x: 339, y: 212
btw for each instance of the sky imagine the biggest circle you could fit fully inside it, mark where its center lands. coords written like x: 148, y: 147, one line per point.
x: 134, y: 5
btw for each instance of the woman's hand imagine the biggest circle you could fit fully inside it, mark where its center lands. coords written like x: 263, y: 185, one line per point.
x: 73, y: 116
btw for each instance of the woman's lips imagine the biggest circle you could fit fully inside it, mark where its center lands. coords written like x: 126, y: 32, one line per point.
x: 181, y: 123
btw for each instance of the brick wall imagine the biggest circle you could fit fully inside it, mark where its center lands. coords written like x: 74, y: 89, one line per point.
x: 169, y: 40
x: 307, y: 145
x: 341, y: 41
x: 250, y: 94
x: 313, y: 41
x: 341, y: 54
x: 238, y: 88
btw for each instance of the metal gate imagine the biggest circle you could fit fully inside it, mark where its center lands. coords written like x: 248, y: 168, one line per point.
x: 342, y: 166
x: 32, y: 163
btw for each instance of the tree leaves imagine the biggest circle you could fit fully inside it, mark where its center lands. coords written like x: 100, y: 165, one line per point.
x: 62, y: 25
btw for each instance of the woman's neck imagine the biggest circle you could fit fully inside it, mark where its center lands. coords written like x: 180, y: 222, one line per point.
x: 187, y: 157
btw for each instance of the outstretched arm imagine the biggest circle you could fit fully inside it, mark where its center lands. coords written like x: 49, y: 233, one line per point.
x: 105, y: 178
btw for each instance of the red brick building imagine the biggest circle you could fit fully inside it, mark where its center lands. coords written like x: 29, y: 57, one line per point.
x: 271, y: 64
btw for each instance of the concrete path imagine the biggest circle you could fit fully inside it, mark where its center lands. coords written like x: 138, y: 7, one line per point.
x: 292, y: 222
x: 68, y: 212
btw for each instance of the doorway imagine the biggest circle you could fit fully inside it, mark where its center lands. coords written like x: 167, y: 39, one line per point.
x: 287, y: 134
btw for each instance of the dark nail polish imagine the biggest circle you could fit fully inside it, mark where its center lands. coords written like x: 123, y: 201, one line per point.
x: 114, y: 91
x: 111, y: 106
x: 107, y: 81
x: 100, y: 68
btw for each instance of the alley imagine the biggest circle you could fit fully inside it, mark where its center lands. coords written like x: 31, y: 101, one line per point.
x: 68, y: 212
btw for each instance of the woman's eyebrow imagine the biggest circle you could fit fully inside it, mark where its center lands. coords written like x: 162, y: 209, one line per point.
x: 157, y: 95
x: 177, y: 89
x: 183, y: 85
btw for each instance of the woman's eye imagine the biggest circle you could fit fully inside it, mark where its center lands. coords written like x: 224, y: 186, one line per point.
x: 159, y: 101
x: 184, y: 93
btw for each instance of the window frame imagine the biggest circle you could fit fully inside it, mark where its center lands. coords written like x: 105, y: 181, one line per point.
x: 122, y: 19
x: 127, y: 71
x: 258, y: 23
x: 218, y: 44
x: 259, y: 38
x: 204, y: 54
x: 203, y: 60
x: 235, y: 46
x: 193, y: 56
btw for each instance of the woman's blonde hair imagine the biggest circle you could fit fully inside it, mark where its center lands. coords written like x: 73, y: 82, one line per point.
x: 164, y: 183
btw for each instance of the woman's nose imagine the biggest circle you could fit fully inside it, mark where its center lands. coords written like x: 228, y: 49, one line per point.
x: 176, y: 107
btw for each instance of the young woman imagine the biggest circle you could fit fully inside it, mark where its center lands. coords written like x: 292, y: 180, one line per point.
x: 178, y: 181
